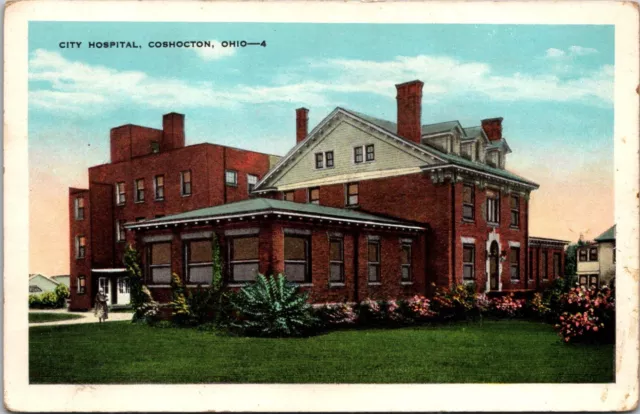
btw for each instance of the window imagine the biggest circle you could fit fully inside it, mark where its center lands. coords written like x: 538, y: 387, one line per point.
x: 231, y: 178
x: 373, y: 261
x: 556, y: 265
x: 123, y: 285
x: 243, y: 259
x: 593, y: 254
x: 478, y: 150
x: 81, y: 243
x: 120, y: 232
x: 185, y: 183
x: 160, y: 262
x: 159, y: 187
x: 79, y: 208
x: 352, y: 194
x: 155, y: 147
x: 314, y: 195
x: 493, y: 207
x: 34, y: 289
x: 530, y: 270
x: 543, y: 266
x: 514, y: 263
x: 139, y: 185
x: 296, y: 258
x: 329, y: 158
x: 357, y: 155
x: 515, y: 211
x: 288, y: 195
x: 468, y: 261
x: 199, y: 261
x: 370, y: 152
x: 319, y: 160
x: 582, y: 255
x: 468, y: 202
x: 82, y: 285
x: 252, y: 180
x: 466, y: 150
x: 336, y: 260
x: 405, y: 262
x: 493, y: 159
x: 121, y: 196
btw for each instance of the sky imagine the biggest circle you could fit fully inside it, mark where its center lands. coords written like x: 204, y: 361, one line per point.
x: 553, y: 85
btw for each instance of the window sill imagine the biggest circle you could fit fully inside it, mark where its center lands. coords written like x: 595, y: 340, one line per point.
x: 336, y: 285
x: 303, y: 284
x: 514, y: 227
x: 468, y: 281
x: 138, y: 202
x: 515, y: 280
x: 352, y: 206
x: 185, y: 195
x: 467, y: 220
x: 195, y: 285
x: 493, y: 224
x: 231, y: 185
x: 406, y: 283
x: 152, y: 286
x: 374, y: 284
x: 121, y: 204
x: 158, y: 199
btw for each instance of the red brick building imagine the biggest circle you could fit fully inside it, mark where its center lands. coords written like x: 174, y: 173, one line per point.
x: 359, y: 208
x: 459, y: 216
x: 151, y: 174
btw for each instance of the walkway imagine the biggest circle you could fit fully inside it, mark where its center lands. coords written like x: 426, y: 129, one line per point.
x: 87, y: 317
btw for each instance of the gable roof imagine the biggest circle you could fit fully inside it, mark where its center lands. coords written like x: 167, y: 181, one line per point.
x: 390, y: 128
x: 608, y: 235
x: 256, y: 206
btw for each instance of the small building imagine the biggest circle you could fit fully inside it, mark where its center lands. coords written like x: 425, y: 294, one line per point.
x: 596, y: 261
x: 547, y: 260
x: 40, y: 284
x: 62, y: 279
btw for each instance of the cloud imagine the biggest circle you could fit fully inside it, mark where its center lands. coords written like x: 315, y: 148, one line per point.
x: 77, y: 87
x: 215, y: 52
x: 571, y: 52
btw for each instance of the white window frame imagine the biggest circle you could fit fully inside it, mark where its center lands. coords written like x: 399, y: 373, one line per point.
x: 121, y: 196
x: 491, y: 212
x: 252, y: 180
x: 514, y: 210
x: 189, y: 265
x: 81, y: 251
x: 308, y: 277
x: 347, y: 201
x: 77, y: 208
x: 309, y: 200
x: 516, y: 264
x: 472, y: 204
x: 232, y: 262
x: 472, y: 263
x: 234, y: 174
x: 376, y: 264
x: 121, y: 235
x: 138, y: 192
x: 81, y: 288
x: 408, y: 266
x: 152, y: 266
x: 183, y: 193
x: 340, y: 263
x: 156, y: 187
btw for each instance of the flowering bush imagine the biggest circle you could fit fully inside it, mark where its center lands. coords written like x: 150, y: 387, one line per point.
x: 587, y: 314
x: 506, y: 306
x: 537, y: 308
x: 336, y: 314
x: 419, y: 308
x: 458, y: 302
x: 483, y: 303
x: 393, y: 311
x: 370, y: 311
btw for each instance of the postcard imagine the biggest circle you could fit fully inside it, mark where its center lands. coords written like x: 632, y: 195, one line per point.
x: 319, y: 206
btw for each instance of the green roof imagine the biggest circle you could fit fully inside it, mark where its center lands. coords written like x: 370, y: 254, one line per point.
x: 454, y: 159
x: 393, y: 128
x: 609, y: 235
x: 263, y: 205
x: 473, y: 132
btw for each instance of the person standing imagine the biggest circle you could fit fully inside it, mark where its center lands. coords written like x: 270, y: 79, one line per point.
x: 101, y: 310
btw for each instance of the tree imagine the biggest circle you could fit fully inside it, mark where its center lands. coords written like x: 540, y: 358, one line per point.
x: 134, y: 271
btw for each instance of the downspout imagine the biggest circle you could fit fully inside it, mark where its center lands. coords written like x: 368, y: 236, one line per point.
x: 356, y: 276
x: 453, y: 231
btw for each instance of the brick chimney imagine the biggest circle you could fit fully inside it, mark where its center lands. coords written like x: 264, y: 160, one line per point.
x: 302, y: 124
x: 172, y: 131
x: 493, y: 128
x: 409, y: 99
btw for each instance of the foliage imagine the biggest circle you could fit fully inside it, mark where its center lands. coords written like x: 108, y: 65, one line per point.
x: 506, y: 306
x: 336, y: 314
x: 571, y: 265
x: 553, y: 294
x: 272, y: 307
x: 458, y: 302
x: 587, y: 315
x: 537, y: 308
x: 141, y: 300
x: 42, y: 317
x: 369, y: 311
x: 180, y: 309
x: 419, y: 308
x: 50, y: 300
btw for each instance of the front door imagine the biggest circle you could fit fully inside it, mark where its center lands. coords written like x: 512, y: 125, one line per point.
x: 494, y: 260
x: 103, y: 283
x: 124, y: 297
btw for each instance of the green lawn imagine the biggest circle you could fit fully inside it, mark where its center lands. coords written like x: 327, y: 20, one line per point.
x: 503, y: 351
x: 40, y: 317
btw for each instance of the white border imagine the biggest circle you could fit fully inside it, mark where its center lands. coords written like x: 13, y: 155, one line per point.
x: 622, y: 395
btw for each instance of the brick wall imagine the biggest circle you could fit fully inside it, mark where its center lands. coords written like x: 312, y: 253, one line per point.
x: 79, y: 266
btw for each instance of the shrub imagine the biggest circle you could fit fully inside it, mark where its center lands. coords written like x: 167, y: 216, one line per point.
x: 141, y: 300
x: 369, y: 312
x: 458, y: 302
x: 34, y: 301
x: 62, y: 294
x: 587, y: 315
x: 272, y: 307
x: 506, y: 306
x: 419, y: 308
x: 180, y: 310
x: 393, y: 311
x: 339, y: 314
x: 536, y: 308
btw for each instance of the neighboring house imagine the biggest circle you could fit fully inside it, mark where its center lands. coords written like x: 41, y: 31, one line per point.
x: 597, y: 260
x: 362, y: 207
x: 547, y: 260
x: 39, y: 284
x: 152, y: 173
x: 62, y: 279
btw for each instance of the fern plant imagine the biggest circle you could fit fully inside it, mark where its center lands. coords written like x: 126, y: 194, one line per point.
x: 272, y: 307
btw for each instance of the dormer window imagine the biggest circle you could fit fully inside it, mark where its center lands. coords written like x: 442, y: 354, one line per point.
x: 478, y: 151
x: 493, y: 158
x: 466, y: 150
